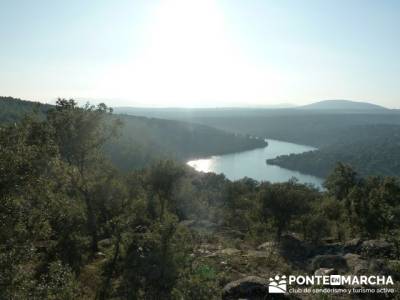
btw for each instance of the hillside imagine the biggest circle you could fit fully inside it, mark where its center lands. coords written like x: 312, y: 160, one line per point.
x: 144, y: 140
x: 344, y: 105
x: 371, y: 149
x: 366, y: 139
x: 13, y: 109
x: 303, y: 126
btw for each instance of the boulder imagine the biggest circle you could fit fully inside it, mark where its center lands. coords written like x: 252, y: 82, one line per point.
x: 376, y: 249
x: 357, y: 265
x: 336, y: 262
x: 352, y: 246
x: 333, y: 248
x: 293, y: 249
x: 256, y: 253
x: 249, y: 288
x: 379, y: 267
x: 229, y: 251
x: 267, y: 246
x: 393, y: 267
x: 99, y: 255
x: 325, y: 272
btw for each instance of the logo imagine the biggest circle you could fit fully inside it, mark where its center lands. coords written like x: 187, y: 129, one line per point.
x: 277, y: 285
x: 348, y: 284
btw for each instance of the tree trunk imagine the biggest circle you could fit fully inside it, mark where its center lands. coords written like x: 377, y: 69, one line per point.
x: 105, y: 290
x: 92, y: 224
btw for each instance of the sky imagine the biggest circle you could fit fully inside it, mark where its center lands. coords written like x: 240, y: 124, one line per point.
x: 201, y: 53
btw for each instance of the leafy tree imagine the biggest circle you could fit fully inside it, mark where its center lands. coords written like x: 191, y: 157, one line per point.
x: 153, y: 261
x: 162, y: 180
x: 283, y: 202
x: 374, y: 208
x: 334, y: 211
x: 315, y: 227
x: 340, y: 181
x: 58, y: 284
x: 35, y: 209
x: 80, y: 134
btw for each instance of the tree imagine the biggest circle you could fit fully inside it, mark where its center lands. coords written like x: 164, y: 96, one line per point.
x: 162, y: 179
x: 37, y: 216
x: 154, y: 260
x: 282, y: 202
x: 374, y: 209
x: 340, y: 181
x: 80, y: 133
x: 334, y: 211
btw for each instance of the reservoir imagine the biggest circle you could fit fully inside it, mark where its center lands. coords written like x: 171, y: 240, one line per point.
x: 253, y: 164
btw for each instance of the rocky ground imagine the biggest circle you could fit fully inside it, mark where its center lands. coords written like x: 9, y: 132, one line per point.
x: 244, y: 269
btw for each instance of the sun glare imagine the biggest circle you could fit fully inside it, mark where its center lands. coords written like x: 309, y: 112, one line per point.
x: 187, y: 57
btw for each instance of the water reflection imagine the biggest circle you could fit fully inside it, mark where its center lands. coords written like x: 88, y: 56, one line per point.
x: 253, y: 164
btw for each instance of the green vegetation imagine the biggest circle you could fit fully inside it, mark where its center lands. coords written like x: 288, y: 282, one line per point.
x: 368, y: 139
x: 72, y: 226
x: 12, y: 109
x: 371, y: 149
x: 302, y: 126
x: 142, y: 141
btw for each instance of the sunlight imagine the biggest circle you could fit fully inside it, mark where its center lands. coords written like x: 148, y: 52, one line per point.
x: 188, y: 56
x: 202, y: 165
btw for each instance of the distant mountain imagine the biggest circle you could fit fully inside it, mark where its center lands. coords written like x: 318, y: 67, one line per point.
x: 342, y: 105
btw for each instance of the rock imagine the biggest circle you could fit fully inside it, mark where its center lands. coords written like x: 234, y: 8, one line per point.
x: 325, y: 272
x: 376, y: 249
x: 352, y: 246
x: 336, y: 262
x: 229, y: 251
x: 356, y: 264
x: 249, y: 288
x: 105, y: 243
x: 379, y: 267
x: 267, y: 246
x: 394, y: 267
x: 333, y: 248
x: 255, y: 253
x: 293, y: 249
x: 99, y: 255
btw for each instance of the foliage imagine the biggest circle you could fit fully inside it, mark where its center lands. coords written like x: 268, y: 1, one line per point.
x: 282, y: 202
x: 72, y: 226
x: 372, y: 150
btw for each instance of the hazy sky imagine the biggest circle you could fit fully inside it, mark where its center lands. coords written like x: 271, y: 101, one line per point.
x: 201, y: 53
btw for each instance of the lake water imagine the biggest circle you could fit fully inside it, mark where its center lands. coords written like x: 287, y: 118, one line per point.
x: 253, y: 164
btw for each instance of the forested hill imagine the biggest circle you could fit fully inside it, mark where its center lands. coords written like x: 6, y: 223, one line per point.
x: 309, y: 127
x: 368, y: 140
x: 144, y: 140
x: 13, y: 109
x: 372, y: 149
